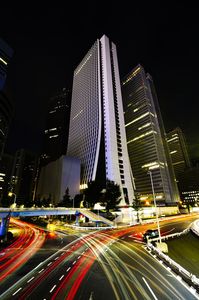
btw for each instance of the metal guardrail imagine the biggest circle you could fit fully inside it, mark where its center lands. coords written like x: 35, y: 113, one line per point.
x: 188, y: 276
x: 174, y: 265
x: 91, y: 227
x: 195, y: 227
x: 172, y: 235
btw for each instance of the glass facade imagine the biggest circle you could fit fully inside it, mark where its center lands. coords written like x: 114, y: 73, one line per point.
x: 146, y: 138
x: 97, y: 133
x: 178, y: 151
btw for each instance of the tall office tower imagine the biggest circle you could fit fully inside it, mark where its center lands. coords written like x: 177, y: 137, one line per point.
x: 178, y: 150
x: 97, y: 133
x: 6, y: 164
x: 23, y: 176
x: 6, y: 114
x: 146, y: 139
x: 6, y: 106
x: 6, y: 53
x: 57, y: 126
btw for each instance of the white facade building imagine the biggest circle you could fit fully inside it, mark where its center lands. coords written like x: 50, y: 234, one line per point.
x: 97, y: 133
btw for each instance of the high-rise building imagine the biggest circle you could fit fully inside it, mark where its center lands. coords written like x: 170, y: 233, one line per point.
x: 146, y: 139
x: 6, y: 114
x: 97, y: 133
x: 6, y: 164
x: 6, y: 53
x: 57, y: 126
x: 178, y: 151
x: 6, y: 106
x: 23, y: 176
x: 189, y: 185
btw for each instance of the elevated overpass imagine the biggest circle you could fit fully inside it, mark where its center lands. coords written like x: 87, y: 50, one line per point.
x: 6, y: 213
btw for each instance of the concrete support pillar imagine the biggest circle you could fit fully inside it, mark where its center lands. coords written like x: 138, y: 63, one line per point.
x: 77, y: 220
x: 4, y: 227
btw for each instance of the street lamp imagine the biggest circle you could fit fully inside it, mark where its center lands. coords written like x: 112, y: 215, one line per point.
x: 157, y: 219
x: 10, y: 194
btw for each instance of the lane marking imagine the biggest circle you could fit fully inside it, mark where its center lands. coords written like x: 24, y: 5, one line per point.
x: 31, y: 279
x: 68, y: 269
x: 40, y: 270
x: 56, y: 258
x: 74, y: 262
x: 53, y: 288
x: 17, y: 291
x: 79, y: 257
x: 49, y: 263
x: 61, y: 277
x: 154, y: 296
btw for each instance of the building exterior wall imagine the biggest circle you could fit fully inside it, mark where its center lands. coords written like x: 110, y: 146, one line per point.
x: 58, y: 175
x: 6, y: 106
x: 23, y: 174
x: 97, y: 134
x: 145, y: 138
x: 55, y: 136
x: 6, y: 53
x: 178, y: 151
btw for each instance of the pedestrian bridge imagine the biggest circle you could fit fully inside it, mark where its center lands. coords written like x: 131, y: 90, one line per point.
x: 6, y: 213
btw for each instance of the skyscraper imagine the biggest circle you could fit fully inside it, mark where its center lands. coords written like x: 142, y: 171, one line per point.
x: 97, y: 133
x: 57, y: 126
x: 146, y: 139
x: 6, y: 53
x: 23, y: 176
x: 178, y: 150
x: 6, y: 106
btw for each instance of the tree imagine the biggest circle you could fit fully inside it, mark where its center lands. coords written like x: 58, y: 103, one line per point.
x: 92, y: 193
x: 66, y: 201
x: 137, y: 205
x: 112, y: 196
x: 77, y: 200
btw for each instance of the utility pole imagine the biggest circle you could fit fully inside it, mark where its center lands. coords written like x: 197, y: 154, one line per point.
x: 157, y: 219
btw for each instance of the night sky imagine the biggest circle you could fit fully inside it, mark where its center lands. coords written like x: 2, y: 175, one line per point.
x: 49, y: 42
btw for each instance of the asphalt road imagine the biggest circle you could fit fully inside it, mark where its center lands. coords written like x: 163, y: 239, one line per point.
x: 104, y: 265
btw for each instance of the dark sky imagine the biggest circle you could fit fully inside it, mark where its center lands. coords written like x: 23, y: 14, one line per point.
x: 49, y: 42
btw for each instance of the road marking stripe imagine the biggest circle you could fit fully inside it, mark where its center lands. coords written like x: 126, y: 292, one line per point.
x: 68, y: 269
x: 17, y: 291
x: 149, y: 288
x: 49, y: 263
x: 53, y: 288
x: 61, y: 277
x: 74, y: 262
x: 31, y: 279
x: 56, y: 258
x: 40, y: 270
x: 79, y: 257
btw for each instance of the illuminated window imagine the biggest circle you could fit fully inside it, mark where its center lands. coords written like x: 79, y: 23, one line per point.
x: 141, y: 136
x: 3, y: 61
x: 53, y: 129
x: 174, y: 151
x: 144, y: 126
x: 137, y: 119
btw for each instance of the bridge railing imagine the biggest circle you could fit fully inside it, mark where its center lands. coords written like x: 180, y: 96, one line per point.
x: 186, y: 275
x: 175, y: 266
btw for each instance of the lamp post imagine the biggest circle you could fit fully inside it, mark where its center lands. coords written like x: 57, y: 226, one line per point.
x: 157, y: 219
x: 10, y: 194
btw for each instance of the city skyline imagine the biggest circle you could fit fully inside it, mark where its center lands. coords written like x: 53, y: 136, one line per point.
x: 45, y: 55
